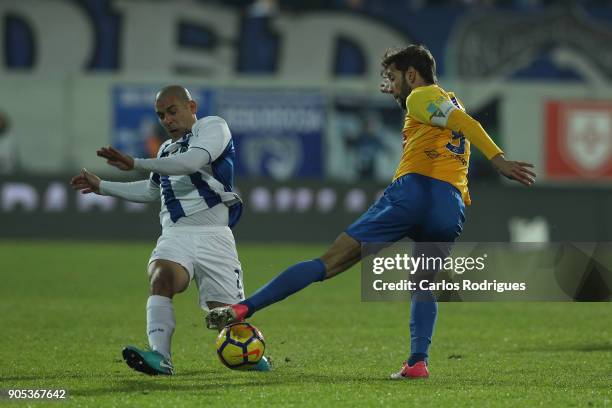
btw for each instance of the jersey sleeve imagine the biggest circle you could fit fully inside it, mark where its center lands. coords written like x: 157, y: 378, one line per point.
x: 210, y: 134
x: 473, y: 131
x: 430, y: 107
x: 179, y: 164
x: 142, y: 191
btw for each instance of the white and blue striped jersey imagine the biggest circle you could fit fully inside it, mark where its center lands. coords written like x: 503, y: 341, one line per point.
x: 184, y: 195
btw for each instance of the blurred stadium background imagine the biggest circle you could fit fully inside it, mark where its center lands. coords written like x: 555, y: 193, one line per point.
x: 298, y: 83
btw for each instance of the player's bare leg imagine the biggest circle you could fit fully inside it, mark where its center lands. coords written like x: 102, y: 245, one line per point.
x: 166, y: 279
x: 341, y: 255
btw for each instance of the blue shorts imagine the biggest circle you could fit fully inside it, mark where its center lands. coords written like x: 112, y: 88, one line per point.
x: 421, y: 208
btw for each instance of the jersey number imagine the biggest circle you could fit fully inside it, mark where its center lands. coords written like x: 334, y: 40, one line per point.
x: 457, y: 149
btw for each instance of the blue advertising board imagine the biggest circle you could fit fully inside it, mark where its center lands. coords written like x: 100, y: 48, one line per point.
x: 278, y: 134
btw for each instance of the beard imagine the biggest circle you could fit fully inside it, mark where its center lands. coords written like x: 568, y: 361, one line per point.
x: 405, y: 91
x: 398, y: 100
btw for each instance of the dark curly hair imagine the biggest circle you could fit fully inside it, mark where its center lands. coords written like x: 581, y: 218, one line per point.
x: 415, y: 56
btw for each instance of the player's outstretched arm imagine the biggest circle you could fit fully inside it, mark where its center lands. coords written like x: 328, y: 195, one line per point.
x: 514, y: 170
x: 461, y: 122
x: 179, y: 164
x: 116, y: 159
x: 86, y: 182
x: 142, y: 191
x: 176, y: 165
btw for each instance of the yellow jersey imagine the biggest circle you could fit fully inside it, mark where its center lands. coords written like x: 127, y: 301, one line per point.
x: 435, y: 147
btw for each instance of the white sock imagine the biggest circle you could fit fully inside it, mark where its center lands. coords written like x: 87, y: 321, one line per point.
x: 160, y: 323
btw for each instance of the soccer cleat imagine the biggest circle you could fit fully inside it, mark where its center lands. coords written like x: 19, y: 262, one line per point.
x: 220, y: 317
x: 418, y: 370
x: 148, y: 362
x: 265, y: 364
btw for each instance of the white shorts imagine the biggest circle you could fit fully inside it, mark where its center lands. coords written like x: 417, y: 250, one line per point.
x: 209, y: 255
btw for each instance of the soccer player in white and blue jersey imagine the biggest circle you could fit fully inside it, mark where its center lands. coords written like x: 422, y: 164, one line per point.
x: 193, y: 177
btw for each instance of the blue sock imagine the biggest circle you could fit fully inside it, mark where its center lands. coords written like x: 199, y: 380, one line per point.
x: 293, y: 279
x: 423, y: 312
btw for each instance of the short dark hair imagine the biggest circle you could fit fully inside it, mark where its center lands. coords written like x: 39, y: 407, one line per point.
x: 415, y: 56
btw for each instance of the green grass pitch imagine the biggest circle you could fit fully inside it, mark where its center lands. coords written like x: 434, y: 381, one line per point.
x: 68, y: 308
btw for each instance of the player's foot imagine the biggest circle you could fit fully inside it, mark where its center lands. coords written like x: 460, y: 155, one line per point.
x: 418, y: 370
x: 265, y: 364
x: 220, y: 317
x: 149, y: 362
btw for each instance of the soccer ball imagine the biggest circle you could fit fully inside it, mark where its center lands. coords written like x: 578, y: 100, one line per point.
x: 240, y: 346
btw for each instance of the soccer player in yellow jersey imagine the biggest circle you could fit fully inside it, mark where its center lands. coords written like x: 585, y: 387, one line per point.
x: 425, y: 202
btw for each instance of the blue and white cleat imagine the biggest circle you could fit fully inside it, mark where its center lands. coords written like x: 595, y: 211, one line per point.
x: 265, y: 364
x: 149, y: 362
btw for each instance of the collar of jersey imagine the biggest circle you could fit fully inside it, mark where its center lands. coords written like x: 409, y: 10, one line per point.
x: 185, y: 139
x: 172, y: 146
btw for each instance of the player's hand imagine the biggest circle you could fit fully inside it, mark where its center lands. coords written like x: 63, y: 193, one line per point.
x: 116, y: 159
x: 86, y: 182
x: 385, y: 86
x: 515, y: 170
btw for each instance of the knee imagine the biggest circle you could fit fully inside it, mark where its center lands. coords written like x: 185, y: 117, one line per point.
x: 161, y: 282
